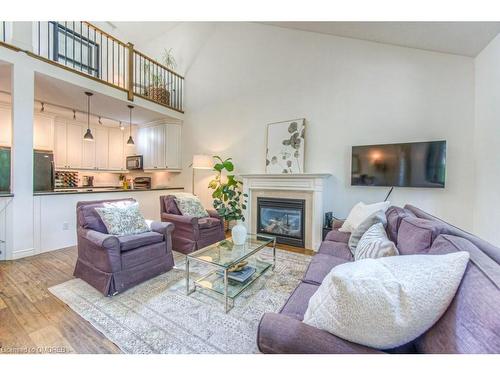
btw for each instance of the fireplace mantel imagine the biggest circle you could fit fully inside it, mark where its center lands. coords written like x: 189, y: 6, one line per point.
x: 286, y: 185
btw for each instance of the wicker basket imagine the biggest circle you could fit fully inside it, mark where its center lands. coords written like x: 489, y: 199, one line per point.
x: 158, y: 94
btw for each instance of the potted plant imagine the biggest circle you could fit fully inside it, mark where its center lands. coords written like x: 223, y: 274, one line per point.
x: 158, y: 83
x: 229, y: 200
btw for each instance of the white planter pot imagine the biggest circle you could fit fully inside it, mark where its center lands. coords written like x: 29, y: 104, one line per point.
x: 239, y: 233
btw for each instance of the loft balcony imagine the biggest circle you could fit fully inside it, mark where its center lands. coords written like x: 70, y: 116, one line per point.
x: 85, y: 49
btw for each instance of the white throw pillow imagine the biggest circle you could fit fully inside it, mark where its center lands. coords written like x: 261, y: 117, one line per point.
x: 190, y: 205
x: 375, y: 244
x: 387, y: 302
x: 359, y: 213
x: 123, y: 219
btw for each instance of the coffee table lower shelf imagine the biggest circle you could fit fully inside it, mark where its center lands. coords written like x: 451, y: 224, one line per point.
x: 215, y: 282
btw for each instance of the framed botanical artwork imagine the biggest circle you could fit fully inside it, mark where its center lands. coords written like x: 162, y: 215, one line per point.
x: 285, y: 147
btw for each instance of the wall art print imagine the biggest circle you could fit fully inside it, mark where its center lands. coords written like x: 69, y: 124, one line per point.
x: 285, y: 147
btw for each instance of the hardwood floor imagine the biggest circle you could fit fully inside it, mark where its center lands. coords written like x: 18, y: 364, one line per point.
x: 32, y: 320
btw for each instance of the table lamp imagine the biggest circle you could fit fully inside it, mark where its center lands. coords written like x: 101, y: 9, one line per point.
x: 201, y: 162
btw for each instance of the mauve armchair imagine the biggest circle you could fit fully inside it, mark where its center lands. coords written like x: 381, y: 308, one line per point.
x: 191, y: 233
x: 112, y: 264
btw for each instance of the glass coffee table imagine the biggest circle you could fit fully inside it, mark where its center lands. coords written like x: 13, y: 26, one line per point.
x: 224, y: 255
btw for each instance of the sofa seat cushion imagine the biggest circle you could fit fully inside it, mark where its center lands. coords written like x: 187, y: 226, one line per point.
x: 472, y: 323
x: 208, y: 222
x: 394, y: 217
x: 296, y: 305
x: 133, y: 241
x: 320, y: 266
x: 415, y: 235
x: 336, y: 249
x: 337, y: 236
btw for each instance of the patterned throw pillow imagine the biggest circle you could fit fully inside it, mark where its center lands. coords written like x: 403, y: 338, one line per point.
x: 375, y: 218
x: 123, y: 219
x: 190, y: 205
x: 375, y: 244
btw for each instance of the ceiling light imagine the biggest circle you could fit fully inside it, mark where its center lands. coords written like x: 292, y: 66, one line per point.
x: 130, y: 139
x: 88, y: 134
x: 121, y: 126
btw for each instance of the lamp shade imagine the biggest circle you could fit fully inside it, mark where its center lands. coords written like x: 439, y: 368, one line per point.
x: 202, y: 162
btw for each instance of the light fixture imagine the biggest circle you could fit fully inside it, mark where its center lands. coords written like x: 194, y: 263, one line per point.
x: 130, y: 139
x: 100, y: 122
x: 121, y: 126
x: 88, y: 134
x: 201, y: 162
x: 74, y: 115
x: 43, y: 107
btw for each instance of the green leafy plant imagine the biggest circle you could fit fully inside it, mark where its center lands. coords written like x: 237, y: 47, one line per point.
x: 229, y: 200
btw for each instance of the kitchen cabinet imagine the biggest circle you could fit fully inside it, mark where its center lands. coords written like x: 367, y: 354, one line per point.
x: 102, y: 149
x: 160, y: 146
x: 115, y: 150
x: 173, y: 147
x: 60, y: 144
x: 5, y: 126
x: 88, y: 149
x: 43, y: 132
x: 74, y: 145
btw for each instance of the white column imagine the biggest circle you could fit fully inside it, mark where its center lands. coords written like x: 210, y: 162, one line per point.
x: 22, y: 159
x: 22, y: 35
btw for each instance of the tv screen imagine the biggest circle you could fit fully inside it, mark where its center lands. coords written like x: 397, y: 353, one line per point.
x: 418, y: 164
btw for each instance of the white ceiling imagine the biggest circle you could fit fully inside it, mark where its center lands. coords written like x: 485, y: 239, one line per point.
x: 50, y: 90
x: 461, y: 38
x: 139, y: 33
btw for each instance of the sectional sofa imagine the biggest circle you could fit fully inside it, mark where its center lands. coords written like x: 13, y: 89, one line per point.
x: 470, y: 325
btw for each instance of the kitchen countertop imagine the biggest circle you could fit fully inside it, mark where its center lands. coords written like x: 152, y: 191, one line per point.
x: 98, y: 189
x: 6, y: 194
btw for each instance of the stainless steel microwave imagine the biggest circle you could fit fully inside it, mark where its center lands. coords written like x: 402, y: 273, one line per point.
x: 134, y: 162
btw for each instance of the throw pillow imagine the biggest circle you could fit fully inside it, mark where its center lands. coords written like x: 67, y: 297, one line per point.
x: 375, y: 244
x: 387, y: 302
x: 190, y: 205
x: 123, y: 220
x: 375, y: 218
x: 360, y: 212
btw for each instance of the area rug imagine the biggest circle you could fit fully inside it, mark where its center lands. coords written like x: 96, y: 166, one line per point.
x: 158, y: 317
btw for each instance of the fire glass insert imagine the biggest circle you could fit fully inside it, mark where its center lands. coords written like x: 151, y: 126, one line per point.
x: 283, y: 218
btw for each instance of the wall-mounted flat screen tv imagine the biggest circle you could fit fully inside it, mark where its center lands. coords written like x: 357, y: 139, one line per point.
x: 417, y: 164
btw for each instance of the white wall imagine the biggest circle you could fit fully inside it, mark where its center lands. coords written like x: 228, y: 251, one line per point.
x: 487, y: 143
x: 351, y: 92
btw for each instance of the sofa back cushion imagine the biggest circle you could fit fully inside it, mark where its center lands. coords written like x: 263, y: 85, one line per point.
x: 171, y: 205
x: 88, y: 217
x: 472, y: 323
x: 394, y: 217
x: 415, y: 235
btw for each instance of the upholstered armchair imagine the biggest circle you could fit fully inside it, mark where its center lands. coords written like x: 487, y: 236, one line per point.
x: 112, y: 264
x: 191, y: 233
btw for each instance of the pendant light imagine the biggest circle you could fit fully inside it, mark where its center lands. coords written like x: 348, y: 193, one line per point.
x: 88, y: 134
x: 130, y: 139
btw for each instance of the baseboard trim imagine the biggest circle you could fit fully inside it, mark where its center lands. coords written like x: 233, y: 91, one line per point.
x: 23, y: 253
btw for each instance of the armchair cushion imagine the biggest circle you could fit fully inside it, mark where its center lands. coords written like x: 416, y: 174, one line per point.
x: 91, y: 219
x: 133, y: 241
x: 190, y: 205
x: 170, y: 205
x: 123, y: 220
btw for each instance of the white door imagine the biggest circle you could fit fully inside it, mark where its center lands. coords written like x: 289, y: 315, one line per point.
x: 5, y: 127
x: 74, y: 138
x: 88, y: 150
x: 43, y: 133
x: 102, y: 147
x: 116, y: 157
x: 60, y: 144
x: 173, y: 147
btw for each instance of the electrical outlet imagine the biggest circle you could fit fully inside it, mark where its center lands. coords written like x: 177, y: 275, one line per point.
x: 65, y: 226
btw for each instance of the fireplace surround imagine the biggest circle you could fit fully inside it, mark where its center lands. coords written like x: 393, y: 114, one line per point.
x: 282, y: 218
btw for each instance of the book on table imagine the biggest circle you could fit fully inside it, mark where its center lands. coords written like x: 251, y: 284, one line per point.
x: 240, y: 276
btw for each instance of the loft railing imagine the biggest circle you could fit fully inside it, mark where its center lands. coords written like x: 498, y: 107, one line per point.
x: 155, y: 81
x: 84, y: 48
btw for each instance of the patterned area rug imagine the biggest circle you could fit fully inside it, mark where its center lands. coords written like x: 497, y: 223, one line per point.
x: 158, y: 317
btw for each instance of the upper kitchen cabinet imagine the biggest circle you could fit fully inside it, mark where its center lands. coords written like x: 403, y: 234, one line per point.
x: 68, y: 145
x: 116, y: 159
x: 60, y: 144
x: 5, y: 126
x: 160, y: 146
x: 43, y: 132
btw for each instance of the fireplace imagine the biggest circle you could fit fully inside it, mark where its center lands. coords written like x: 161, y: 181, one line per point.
x: 282, y: 218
